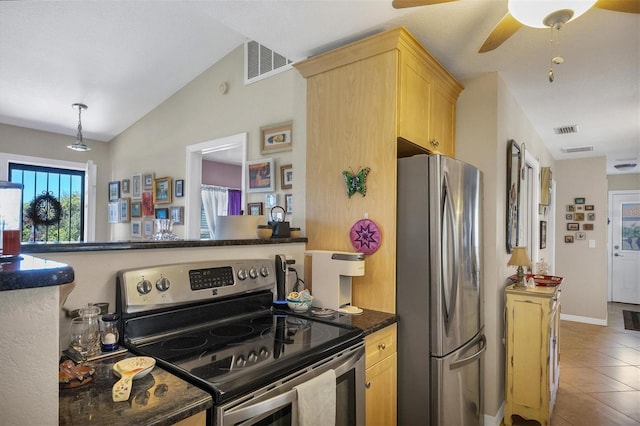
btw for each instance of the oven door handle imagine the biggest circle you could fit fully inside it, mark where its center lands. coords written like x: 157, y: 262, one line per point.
x: 264, y: 407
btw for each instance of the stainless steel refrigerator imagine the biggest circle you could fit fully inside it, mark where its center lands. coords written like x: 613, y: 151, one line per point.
x: 439, y: 292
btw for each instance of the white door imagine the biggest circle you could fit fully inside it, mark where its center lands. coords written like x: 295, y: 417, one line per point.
x: 625, y: 246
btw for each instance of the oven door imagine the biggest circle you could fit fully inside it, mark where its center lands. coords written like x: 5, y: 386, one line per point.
x: 276, y: 404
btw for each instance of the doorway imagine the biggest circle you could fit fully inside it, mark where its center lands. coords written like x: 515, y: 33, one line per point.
x: 624, y: 246
x: 217, y: 150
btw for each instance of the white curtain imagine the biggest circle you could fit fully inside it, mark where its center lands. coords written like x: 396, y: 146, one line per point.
x: 215, y: 202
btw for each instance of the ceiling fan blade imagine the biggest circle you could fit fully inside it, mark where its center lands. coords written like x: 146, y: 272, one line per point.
x: 626, y: 6
x: 401, y: 4
x: 500, y: 33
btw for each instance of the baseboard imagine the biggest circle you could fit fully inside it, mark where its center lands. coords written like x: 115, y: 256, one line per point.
x: 585, y: 320
x: 497, y: 420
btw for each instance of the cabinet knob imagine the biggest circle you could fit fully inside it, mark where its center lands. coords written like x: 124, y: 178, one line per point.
x: 367, y: 385
x: 382, y: 346
x: 434, y: 143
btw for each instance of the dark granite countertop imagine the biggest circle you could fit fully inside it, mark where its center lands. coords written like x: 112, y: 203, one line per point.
x: 141, y: 244
x: 31, y: 272
x: 369, y: 321
x: 160, y: 398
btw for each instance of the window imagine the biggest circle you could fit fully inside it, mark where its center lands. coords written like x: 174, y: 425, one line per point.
x: 64, y: 185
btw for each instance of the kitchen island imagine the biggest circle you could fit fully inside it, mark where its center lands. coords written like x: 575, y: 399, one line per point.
x: 159, y: 398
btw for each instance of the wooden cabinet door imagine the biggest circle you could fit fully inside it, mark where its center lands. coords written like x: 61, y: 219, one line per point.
x: 382, y: 392
x: 442, y: 123
x: 414, y: 100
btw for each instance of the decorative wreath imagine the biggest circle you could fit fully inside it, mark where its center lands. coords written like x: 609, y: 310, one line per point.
x: 45, y: 210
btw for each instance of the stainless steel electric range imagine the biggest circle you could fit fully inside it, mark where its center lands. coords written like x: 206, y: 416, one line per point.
x: 212, y: 323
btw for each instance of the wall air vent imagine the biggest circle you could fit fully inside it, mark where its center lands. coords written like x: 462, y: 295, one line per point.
x: 625, y: 166
x: 574, y: 149
x: 565, y: 130
x: 261, y: 62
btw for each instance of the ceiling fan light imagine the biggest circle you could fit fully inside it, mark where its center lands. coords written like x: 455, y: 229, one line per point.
x: 79, y: 144
x: 532, y: 13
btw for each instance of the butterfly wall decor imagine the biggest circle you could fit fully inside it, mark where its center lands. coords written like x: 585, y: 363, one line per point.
x: 356, y: 182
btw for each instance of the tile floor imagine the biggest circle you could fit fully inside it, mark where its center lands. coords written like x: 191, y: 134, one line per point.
x: 599, y: 374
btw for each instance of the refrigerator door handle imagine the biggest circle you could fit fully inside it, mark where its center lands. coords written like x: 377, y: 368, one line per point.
x: 448, y: 237
x: 471, y: 358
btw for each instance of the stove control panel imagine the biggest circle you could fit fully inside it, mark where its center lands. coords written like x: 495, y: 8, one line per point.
x: 162, y: 286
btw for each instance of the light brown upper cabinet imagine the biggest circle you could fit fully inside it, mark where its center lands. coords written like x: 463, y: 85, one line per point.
x: 369, y: 103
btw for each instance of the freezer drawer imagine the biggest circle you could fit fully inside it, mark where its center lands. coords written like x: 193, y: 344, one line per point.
x: 456, y: 382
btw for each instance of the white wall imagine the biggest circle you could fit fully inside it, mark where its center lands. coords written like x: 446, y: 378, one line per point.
x: 199, y: 112
x: 487, y: 117
x: 584, y: 290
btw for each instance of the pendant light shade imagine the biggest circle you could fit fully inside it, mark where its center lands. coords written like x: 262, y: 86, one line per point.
x: 547, y: 13
x: 79, y: 144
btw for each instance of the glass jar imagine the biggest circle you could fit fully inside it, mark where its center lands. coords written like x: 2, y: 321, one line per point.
x: 10, y: 218
x: 91, y: 313
x: 109, y: 333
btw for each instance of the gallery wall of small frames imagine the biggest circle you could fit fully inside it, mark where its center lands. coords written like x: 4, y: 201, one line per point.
x: 142, y: 199
x: 580, y: 217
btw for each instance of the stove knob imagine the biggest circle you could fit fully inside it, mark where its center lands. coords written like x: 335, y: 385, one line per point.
x: 144, y: 286
x: 242, y: 275
x: 253, y: 356
x: 253, y: 273
x: 264, y: 352
x: 163, y: 284
x: 264, y: 271
x: 241, y: 361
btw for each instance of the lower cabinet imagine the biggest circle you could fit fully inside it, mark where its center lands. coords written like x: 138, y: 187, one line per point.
x: 381, y: 377
x: 532, y: 359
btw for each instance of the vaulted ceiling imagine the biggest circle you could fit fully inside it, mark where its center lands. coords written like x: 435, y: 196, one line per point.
x: 123, y: 58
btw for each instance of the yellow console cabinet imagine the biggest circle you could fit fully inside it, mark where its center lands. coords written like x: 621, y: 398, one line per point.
x: 381, y: 377
x: 532, y: 364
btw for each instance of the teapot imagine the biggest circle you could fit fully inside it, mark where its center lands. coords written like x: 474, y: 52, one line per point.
x: 281, y: 228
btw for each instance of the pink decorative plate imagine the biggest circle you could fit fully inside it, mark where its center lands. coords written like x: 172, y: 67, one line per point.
x: 365, y: 236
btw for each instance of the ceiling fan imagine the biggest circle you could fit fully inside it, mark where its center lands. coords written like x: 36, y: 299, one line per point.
x: 535, y: 13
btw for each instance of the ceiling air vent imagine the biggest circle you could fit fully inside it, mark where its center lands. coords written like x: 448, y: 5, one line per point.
x: 574, y: 149
x: 565, y: 130
x: 625, y: 166
x: 261, y: 62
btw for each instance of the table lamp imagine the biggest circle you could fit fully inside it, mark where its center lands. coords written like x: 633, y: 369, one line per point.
x: 520, y: 258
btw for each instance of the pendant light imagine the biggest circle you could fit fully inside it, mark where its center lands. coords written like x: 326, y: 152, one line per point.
x: 79, y: 144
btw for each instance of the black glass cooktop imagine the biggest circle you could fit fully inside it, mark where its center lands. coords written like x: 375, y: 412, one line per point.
x: 233, y: 357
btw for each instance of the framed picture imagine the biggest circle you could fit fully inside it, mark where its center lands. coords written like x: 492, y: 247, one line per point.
x: 147, y: 203
x: 270, y: 200
x: 177, y: 215
x: 568, y: 216
x: 579, y: 208
x: 162, y: 213
x: 591, y: 216
x: 147, y: 228
x: 578, y: 216
x: 580, y: 235
x: 125, y: 186
x: 589, y: 207
x: 136, y: 209
x: 147, y: 181
x: 579, y: 200
x: 136, y: 228
x: 572, y: 226
x: 254, y: 209
x: 587, y: 227
x: 114, y: 212
x: 286, y: 176
x: 571, y: 208
x: 568, y: 238
x: 288, y: 203
x: 136, y: 186
x: 162, y: 191
x: 276, y: 138
x: 543, y: 234
x: 125, y: 213
x: 114, y: 191
x: 261, y: 176
x: 179, y: 187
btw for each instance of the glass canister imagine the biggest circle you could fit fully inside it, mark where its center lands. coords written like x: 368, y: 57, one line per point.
x: 109, y: 333
x: 91, y: 313
x: 10, y: 218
